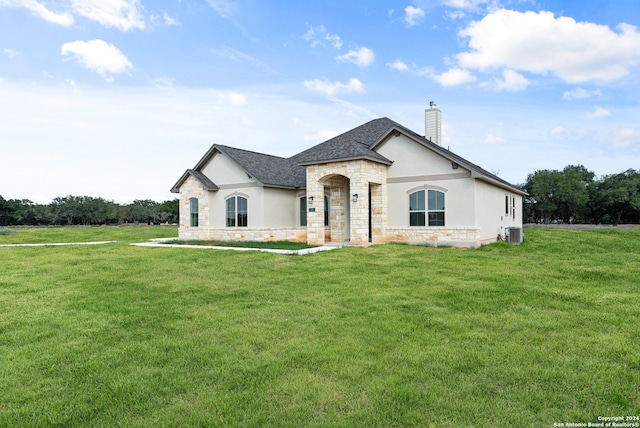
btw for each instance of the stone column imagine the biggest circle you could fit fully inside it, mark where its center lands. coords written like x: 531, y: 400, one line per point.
x: 315, y: 210
x: 360, y: 208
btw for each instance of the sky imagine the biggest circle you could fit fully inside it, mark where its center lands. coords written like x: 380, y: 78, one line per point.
x: 117, y: 98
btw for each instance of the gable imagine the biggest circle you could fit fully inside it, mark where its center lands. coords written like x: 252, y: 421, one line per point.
x: 222, y: 170
x: 411, y: 159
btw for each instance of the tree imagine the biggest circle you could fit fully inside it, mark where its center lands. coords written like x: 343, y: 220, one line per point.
x: 170, y: 211
x: 145, y: 210
x: 65, y: 209
x: 542, y: 187
x: 618, y: 197
x: 6, y: 212
x: 572, y: 193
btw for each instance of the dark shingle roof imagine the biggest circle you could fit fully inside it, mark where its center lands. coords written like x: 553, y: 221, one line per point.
x: 269, y: 170
x: 353, y: 144
x: 357, y: 143
x: 207, y: 184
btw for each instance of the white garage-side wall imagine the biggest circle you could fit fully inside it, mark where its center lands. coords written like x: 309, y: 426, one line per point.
x: 493, y: 213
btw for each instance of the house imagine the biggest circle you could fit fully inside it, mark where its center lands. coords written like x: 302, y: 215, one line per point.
x: 377, y: 183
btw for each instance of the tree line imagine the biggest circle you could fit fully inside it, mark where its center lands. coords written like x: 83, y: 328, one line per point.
x: 575, y: 195
x: 85, y: 210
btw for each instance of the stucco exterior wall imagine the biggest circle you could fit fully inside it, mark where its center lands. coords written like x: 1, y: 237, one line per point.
x: 280, y: 207
x: 492, y: 216
x: 222, y: 170
x: 412, y: 159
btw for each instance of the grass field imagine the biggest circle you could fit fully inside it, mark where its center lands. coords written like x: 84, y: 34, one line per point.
x: 391, y: 335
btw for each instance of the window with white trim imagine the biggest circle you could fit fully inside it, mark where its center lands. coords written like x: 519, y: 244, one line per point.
x: 237, y: 215
x: 426, y: 207
x: 193, y: 212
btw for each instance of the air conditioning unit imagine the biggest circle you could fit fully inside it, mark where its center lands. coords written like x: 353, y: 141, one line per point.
x: 514, y: 235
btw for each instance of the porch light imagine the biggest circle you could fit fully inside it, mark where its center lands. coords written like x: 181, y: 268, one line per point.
x: 355, y: 197
x: 310, y: 199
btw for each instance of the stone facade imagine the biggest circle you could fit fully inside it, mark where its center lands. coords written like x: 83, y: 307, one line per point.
x: 343, y: 180
x: 192, y: 188
x: 245, y: 234
x: 436, y: 236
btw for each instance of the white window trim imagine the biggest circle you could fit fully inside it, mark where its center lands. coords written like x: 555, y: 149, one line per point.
x: 235, y: 195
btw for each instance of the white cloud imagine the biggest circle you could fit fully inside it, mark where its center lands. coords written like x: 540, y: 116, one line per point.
x: 72, y: 84
x: 168, y: 20
x: 318, y: 35
x: 236, y: 55
x: 493, y: 139
x: 454, y: 77
x: 456, y: 14
x: 470, y: 5
x: 320, y: 136
x: 625, y: 137
x: 412, y: 15
x: 11, y: 53
x: 580, y: 94
x: 511, y: 81
x: 314, y: 35
x: 333, y: 88
x: 361, y: 57
x: 541, y: 43
x: 224, y: 8
x: 558, y: 130
x: 40, y: 10
x: 236, y: 99
x: 598, y: 113
x: 398, y: 65
x: 163, y: 82
x: 99, y: 56
x: 335, y: 40
x: 621, y: 137
x: 122, y: 14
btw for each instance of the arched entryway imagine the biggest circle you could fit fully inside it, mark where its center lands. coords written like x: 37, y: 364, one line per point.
x: 355, y: 195
x: 336, y: 209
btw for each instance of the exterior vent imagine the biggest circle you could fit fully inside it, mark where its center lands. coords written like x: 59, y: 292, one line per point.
x: 514, y: 235
x: 433, y: 125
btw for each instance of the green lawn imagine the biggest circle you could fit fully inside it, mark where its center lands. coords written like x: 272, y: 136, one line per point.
x: 392, y: 335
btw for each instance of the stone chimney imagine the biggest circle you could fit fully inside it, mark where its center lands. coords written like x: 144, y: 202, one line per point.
x: 433, y: 124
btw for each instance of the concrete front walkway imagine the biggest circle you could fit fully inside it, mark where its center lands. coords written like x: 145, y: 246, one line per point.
x: 57, y: 244
x: 159, y: 243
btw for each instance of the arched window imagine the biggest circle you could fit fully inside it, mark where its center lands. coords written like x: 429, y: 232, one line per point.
x: 429, y: 210
x: 193, y: 210
x: 237, y: 215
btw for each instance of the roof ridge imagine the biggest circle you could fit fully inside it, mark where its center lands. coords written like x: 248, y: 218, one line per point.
x: 250, y: 151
